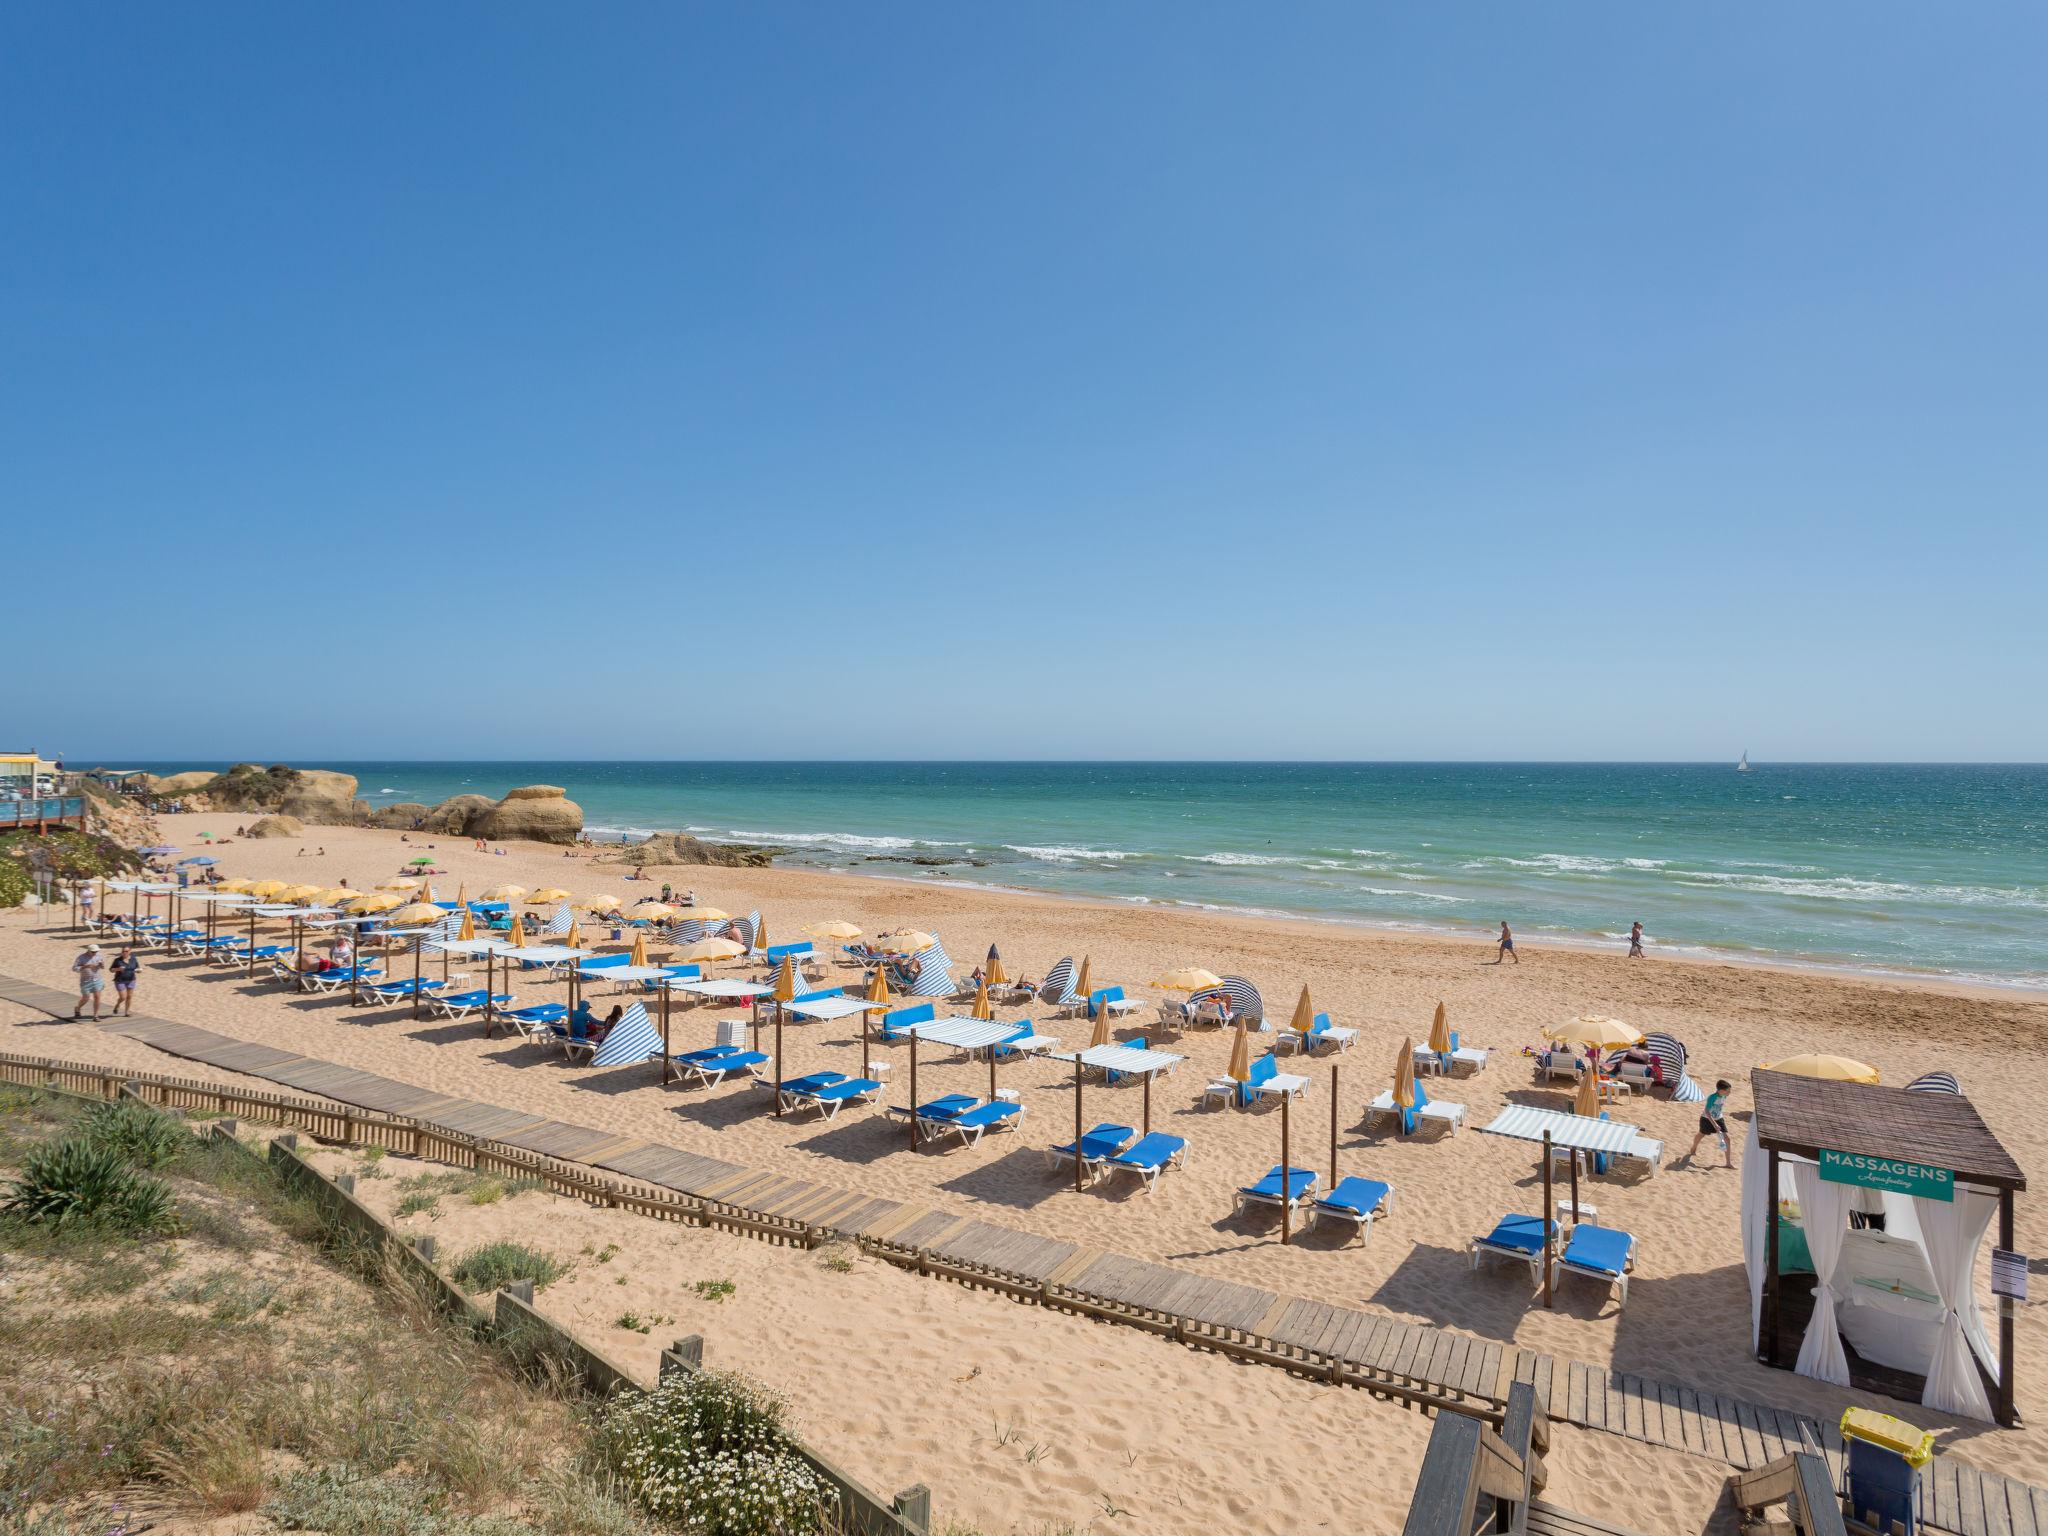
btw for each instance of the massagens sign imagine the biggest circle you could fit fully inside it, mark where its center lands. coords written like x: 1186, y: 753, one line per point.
x: 1893, y: 1173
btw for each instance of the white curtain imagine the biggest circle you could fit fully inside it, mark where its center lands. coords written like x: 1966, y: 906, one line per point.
x: 1824, y: 1210
x: 1756, y: 1178
x: 1951, y: 1230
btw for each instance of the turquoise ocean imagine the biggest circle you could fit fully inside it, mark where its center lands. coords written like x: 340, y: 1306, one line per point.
x: 1896, y: 868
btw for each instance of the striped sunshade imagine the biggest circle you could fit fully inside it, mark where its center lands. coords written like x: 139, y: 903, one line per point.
x: 559, y: 924
x: 689, y: 931
x: 1242, y: 996
x: 1059, y: 983
x: 1671, y: 1061
x: 632, y: 1039
x: 1576, y: 1131
x: 1935, y: 1082
x: 934, y: 973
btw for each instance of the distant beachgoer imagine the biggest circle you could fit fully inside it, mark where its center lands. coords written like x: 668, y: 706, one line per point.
x: 1635, y: 942
x: 126, y: 967
x: 241, y: 831
x: 664, y: 891
x: 92, y: 979
x: 86, y: 897
x: 1507, y: 945
x: 1714, y: 1122
x: 581, y: 1022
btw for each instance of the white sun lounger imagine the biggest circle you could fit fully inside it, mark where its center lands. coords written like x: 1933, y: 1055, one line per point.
x: 1447, y: 1114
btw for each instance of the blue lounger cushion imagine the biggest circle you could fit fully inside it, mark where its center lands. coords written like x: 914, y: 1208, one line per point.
x: 950, y: 1107
x: 811, y: 1083
x: 1299, y: 1182
x: 845, y: 1088
x: 1524, y: 1234
x: 709, y: 1053
x: 1359, y: 1196
x: 1102, y: 1141
x: 983, y: 1115
x: 1150, y: 1152
x: 1599, y: 1248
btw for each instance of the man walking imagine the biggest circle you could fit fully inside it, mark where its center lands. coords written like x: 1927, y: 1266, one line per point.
x: 92, y: 980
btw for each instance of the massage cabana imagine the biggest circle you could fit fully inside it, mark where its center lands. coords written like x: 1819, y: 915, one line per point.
x: 1872, y: 1282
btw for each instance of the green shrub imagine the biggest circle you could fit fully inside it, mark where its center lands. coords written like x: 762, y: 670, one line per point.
x: 72, y: 1183
x: 135, y: 1133
x: 497, y: 1265
x: 708, y: 1452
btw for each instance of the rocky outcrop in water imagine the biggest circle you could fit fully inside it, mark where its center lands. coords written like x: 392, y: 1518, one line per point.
x: 680, y: 848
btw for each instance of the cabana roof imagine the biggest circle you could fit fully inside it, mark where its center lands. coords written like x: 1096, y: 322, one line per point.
x: 1806, y: 1115
x: 1121, y: 1058
x: 834, y: 1007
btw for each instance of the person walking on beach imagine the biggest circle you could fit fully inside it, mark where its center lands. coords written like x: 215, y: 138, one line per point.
x: 1714, y: 1122
x: 1507, y: 946
x: 92, y: 979
x: 1635, y: 941
x: 126, y: 967
x: 85, y: 901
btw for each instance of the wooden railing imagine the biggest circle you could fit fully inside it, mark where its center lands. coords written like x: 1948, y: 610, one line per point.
x: 1475, y: 1480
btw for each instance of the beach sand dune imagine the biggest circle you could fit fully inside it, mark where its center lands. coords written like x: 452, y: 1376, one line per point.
x: 1687, y: 1317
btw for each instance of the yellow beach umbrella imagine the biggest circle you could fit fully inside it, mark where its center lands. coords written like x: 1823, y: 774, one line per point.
x: 878, y: 988
x: 710, y: 949
x: 1595, y: 1030
x: 599, y: 903
x: 337, y: 895
x: 267, y: 888
x: 468, y: 929
x: 982, y: 1008
x: 993, y: 970
x: 1440, y: 1031
x: 1187, y: 978
x: 505, y: 893
x: 785, y: 980
x: 639, y: 956
x: 1304, y: 1014
x: 1404, y: 1075
x: 417, y: 912
x: 1082, y: 985
x: 702, y: 915
x: 1833, y: 1069
x: 1240, y: 1069
x: 400, y: 886
x: 374, y: 901
x: 1588, y: 1101
x: 545, y: 895
x: 651, y: 912
x: 298, y: 893
x: 518, y: 931
x: 908, y: 943
x: 833, y: 930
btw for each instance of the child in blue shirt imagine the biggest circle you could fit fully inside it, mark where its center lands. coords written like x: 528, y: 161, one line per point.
x: 1714, y: 1122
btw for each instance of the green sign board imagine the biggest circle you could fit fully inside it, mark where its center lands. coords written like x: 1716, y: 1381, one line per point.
x: 1894, y: 1173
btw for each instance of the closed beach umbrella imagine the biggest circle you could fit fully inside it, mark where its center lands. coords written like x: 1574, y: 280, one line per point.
x: 1241, y: 1055
x: 1082, y: 985
x: 1440, y: 1031
x: 785, y: 980
x: 1588, y: 1101
x: 1595, y: 1030
x: 1187, y: 978
x: 710, y: 949
x: 1304, y: 1013
x: 462, y: 894
x: 993, y: 970
x: 981, y: 1009
x: 468, y: 929
x: 505, y: 893
x: 639, y: 956
x: 1833, y: 1069
x: 1101, y: 1035
x: 574, y: 937
x: 833, y: 930
x: 1404, y: 1075
x: 546, y: 894
x: 878, y: 987
x: 761, y: 934
x: 518, y: 931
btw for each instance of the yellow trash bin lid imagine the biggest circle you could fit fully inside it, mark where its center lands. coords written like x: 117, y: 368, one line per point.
x: 1895, y: 1435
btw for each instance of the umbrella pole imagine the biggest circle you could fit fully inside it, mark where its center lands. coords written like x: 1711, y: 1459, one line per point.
x: 355, y: 969
x: 778, y: 1062
x: 1333, y: 1125
x: 249, y: 963
x: 490, y: 977
x: 666, y: 1064
x: 865, y: 1059
x: 1286, y: 1171
x: 991, y: 1072
x: 1546, y: 1218
x: 1148, y: 1103
x: 1077, y: 1122
x: 913, y: 1089
x: 418, y: 946
x: 1575, y: 1186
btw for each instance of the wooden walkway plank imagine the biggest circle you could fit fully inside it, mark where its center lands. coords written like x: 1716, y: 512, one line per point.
x: 1970, y: 1501
x: 1691, y: 1433
x: 1632, y: 1408
x: 1673, y: 1432
x: 1997, y: 1512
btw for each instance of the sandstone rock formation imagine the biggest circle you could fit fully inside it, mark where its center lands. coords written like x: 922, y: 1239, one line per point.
x: 679, y: 848
x: 403, y: 815
x: 459, y: 814
x: 539, y: 813
x: 276, y: 826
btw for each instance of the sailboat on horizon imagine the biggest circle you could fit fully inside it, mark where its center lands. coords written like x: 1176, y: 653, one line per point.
x: 1743, y: 766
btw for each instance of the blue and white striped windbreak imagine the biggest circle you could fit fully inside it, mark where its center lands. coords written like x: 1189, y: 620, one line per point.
x: 1240, y: 994
x: 934, y: 974
x: 743, y: 929
x: 560, y: 923
x: 688, y: 930
x: 1058, y: 988
x: 1935, y: 1082
x: 634, y: 1038
x: 1670, y: 1056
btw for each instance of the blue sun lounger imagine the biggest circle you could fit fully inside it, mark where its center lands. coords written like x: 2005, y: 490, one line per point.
x: 711, y: 1067
x: 827, y: 1092
x: 534, y: 1021
x: 995, y: 1115
x: 1358, y: 1201
x: 1097, y: 1147
x: 1600, y: 1253
x: 397, y: 991
x: 1515, y: 1237
x: 460, y: 1005
x: 1299, y: 1184
x: 945, y: 1107
x: 1149, y: 1157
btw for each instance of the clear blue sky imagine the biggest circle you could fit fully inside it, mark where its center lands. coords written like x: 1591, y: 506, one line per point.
x: 1599, y: 381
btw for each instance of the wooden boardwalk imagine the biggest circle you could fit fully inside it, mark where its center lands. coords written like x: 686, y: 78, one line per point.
x: 1413, y: 1362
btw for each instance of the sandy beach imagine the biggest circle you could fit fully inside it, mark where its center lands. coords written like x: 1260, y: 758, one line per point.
x: 1686, y: 1318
